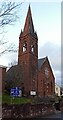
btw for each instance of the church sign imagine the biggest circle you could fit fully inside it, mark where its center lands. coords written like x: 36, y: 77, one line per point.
x: 16, y: 92
x: 33, y: 93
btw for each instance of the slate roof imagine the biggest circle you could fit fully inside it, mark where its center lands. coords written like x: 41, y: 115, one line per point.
x: 15, y: 72
x: 41, y: 62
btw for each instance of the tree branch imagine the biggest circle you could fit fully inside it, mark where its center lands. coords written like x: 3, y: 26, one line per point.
x: 8, y: 15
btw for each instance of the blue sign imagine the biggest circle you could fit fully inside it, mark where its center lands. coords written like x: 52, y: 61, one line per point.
x: 16, y: 92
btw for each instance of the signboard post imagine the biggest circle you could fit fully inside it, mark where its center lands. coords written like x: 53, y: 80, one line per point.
x: 15, y: 92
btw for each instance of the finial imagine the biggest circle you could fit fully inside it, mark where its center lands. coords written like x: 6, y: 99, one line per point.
x: 29, y: 6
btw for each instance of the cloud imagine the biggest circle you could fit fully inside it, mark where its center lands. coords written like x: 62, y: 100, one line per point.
x: 49, y: 49
x: 53, y: 52
x: 58, y: 77
x: 9, y: 58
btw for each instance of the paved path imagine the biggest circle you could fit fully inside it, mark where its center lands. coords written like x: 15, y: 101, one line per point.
x: 58, y: 114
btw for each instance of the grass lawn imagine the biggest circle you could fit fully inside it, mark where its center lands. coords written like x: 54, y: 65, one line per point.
x: 15, y: 100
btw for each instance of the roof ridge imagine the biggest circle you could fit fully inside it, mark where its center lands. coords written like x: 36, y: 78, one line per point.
x: 43, y: 58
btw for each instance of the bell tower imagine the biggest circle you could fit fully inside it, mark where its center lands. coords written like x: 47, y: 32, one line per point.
x: 28, y: 52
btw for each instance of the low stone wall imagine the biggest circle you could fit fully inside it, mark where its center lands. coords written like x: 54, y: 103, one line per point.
x: 61, y: 106
x: 26, y: 110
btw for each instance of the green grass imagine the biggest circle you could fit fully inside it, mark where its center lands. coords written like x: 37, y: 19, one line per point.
x: 15, y: 100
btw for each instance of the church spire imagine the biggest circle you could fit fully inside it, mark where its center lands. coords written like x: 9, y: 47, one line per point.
x: 29, y: 27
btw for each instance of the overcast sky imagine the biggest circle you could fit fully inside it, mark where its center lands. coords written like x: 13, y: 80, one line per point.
x: 47, y: 23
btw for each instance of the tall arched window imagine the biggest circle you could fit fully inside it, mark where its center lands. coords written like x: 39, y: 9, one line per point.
x: 32, y: 48
x: 24, y: 46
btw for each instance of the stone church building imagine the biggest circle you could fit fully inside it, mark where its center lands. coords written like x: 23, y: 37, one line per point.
x: 31, y: 74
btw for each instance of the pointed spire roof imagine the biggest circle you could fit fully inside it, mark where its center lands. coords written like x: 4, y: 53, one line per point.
x: 29, y: 27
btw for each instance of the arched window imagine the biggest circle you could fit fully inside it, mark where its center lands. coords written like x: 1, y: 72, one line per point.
x: 32, y: 48
x: 24, y: 46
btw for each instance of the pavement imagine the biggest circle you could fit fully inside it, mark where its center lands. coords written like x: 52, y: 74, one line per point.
x: 58, y: 114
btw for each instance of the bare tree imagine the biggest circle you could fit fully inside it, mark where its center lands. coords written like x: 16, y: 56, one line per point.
x: 8, y: 13
x: 8, y: 16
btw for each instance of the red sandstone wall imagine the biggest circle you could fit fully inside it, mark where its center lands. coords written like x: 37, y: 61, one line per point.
x: 46, y: 85
x: 28, y: 60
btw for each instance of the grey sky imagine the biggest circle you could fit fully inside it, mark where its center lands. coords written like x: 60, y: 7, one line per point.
x: 47, y: 23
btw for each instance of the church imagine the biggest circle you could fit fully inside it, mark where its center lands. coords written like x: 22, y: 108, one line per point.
x: 32, y: 75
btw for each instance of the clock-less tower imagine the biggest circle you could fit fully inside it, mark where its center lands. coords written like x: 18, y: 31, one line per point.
x: 28, y: 54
